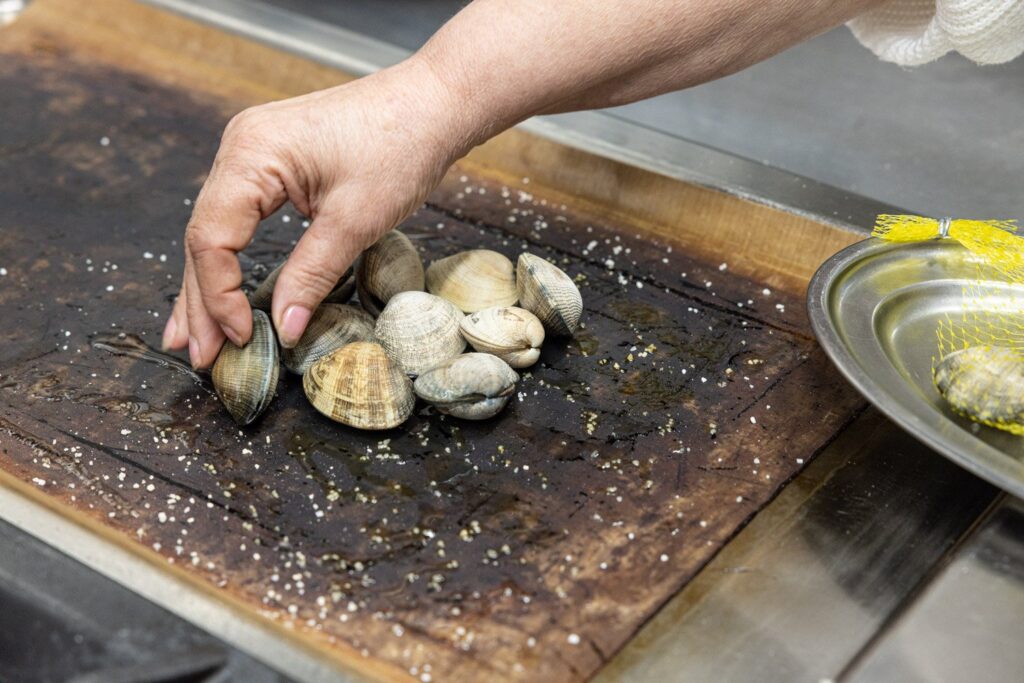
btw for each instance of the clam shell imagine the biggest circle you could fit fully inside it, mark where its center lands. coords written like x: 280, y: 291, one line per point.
x: 419, y: 330
x: 474, y: 280
x: 984, y: 382
x: 245, y: 378
x: 263, y: 294
x: 510, y: 333
x: 360, y: 386
x: 390, y: 266
x: 330, y: 328
x: 473, y: 386
x: 547, y: 292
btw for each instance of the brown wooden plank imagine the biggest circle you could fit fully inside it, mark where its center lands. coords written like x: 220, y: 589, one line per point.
x: 530, y: 547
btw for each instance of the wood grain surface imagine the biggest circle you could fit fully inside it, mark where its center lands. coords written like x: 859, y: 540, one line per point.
x: 528, y: 547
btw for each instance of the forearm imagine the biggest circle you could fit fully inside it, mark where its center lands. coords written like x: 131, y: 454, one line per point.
x: 506, y: 60
x: 359, y: 157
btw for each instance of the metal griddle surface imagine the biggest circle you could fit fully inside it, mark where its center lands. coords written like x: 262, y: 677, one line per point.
x: 528, y: 547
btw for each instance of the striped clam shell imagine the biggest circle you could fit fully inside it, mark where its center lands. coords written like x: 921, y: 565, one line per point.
x: 358, y: 385
x: 331, y: 327
x: 547, y: 292
x: 473, y: 386
x: 245, y: 378
x: 512, y: 334
x: 984, y: 382
x: 390, y: 266
x: 419, y: 330
x: 474, y: 280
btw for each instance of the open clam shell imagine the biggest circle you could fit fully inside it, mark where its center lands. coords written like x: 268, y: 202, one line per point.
x: 262, y: 296
x: 358, y: 385
x: 474, y: 280
x: 547, y: 292
x: 473, y: 386
x: 245, y: 378
x: 419, y: 330
x: 390, y: 266
x: 985, y: 383
x: 331, y: 327
x: 512, y: 334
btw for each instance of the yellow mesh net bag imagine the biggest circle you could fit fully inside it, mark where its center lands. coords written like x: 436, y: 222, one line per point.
x: 979, y: 367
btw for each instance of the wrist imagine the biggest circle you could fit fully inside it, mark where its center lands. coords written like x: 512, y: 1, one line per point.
x: 427, y: 104
x: 469, y: 108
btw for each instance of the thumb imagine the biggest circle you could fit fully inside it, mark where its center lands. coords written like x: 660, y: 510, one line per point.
x: 322, y: 255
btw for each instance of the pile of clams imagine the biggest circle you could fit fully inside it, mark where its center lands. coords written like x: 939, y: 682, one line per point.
x: 365, y: 365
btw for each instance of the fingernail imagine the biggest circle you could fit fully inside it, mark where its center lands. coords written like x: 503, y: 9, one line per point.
x: 169, y: 329
x: 193, y: 352
x: 293, y: 323
x: 235, y: 338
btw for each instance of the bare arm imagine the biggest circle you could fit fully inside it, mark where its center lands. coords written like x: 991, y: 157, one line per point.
x: 360, y: 157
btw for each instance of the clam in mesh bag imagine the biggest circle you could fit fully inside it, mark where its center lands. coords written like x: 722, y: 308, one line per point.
x: 979, y: 365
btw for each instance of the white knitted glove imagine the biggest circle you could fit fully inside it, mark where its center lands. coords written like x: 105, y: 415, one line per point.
x: 912, y: 32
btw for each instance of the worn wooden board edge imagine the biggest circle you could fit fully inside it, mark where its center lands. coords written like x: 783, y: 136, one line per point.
x: 758, y: 241
x: 347, y: 660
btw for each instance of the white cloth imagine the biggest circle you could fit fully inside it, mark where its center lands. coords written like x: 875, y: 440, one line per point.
x: 912, y: 32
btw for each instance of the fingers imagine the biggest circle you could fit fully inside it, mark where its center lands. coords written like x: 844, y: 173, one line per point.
x: 222, y: 224
x: 176, y: 332
x: 205, y: 336
x: 244, y: 186
x: 324, y: 252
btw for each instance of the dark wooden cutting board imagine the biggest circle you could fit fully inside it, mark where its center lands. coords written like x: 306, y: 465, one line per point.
x: 528, y: 547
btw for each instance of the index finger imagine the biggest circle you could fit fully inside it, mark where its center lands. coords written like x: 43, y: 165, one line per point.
x: 225, y: 217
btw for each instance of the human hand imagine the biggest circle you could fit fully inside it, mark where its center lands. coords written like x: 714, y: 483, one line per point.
x: 360, y: 157
x: 356, y: 159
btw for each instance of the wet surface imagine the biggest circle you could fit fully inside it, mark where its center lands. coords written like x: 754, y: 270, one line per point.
x: 529, y: 547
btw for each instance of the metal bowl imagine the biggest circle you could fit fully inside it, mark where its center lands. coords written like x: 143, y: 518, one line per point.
x: 875, y: 308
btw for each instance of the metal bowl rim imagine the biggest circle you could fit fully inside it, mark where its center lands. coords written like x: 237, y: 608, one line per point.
x: 990, y: 464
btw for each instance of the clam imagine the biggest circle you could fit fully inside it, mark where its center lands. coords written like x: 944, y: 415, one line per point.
x: 331, y: 327
x: 261, y: 296
x: 360, y: 386
x: 245, y: 377
x: 390, y: 266
x: 474, y: 280
x: 473, y: 386
x: 985, y: 383
x: 419, y: 330
x: 510, y: 333
x: 547, y: 292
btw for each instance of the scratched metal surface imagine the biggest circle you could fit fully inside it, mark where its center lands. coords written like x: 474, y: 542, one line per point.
x: 528, y: 547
